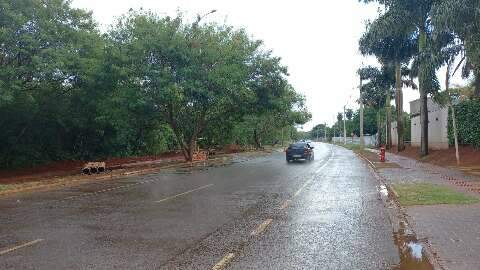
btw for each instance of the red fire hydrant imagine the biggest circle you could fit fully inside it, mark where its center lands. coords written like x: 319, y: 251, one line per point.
x: 382, y: 154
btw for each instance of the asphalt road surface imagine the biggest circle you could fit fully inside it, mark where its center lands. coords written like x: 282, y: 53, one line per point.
x: 260, y: 213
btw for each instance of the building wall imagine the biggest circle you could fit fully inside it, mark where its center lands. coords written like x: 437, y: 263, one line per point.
x: 394, y: 133
x: 369, y: 140
x: 437, y: 125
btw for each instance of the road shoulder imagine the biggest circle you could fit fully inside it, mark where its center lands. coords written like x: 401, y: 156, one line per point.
x: 447, y: 231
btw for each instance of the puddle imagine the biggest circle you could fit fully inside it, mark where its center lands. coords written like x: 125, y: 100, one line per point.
x: 383, y: 190
x: 412, y: 254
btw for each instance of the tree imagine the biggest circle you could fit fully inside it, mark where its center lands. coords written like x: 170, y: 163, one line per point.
x: 349, y: 114
x: 339, y: 117
x: 392, y: 47
x: 191, y: 75
x: 461, y: 18
x: 51, y: 56
x: 374, y: 92
x: 414, y: 16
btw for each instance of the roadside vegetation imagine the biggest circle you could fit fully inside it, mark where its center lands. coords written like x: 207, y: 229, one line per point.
x: 412, y: 40
x: 148, y: 85
x: 353, y: 147
x: 429, y: 194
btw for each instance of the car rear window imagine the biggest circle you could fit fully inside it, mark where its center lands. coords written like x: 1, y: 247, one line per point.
x: 297, y: 146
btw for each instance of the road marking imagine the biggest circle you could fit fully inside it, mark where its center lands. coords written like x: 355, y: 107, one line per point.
x: 300, y: 190
x: 31, y: 243
x: 261, y: 227
x: 224, y: 262
x: 311, y: 179
x: 183, y: 193
x: 285, y: 204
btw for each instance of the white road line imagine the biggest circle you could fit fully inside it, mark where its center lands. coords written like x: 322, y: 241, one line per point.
x: 311, y: 179
x: 183, y: 193
x: 224, y: 261
x: 261, y: 227
x: 31, y: 243
x: 285, y: 204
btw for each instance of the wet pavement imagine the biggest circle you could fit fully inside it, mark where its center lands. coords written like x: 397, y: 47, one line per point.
x: 259, y: 213
x: 451, y: 232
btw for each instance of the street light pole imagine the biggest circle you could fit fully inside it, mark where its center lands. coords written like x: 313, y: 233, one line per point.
x: 362, y: 139
x: 344, y: 127
x: 325, y: 129
x: 199, y: 18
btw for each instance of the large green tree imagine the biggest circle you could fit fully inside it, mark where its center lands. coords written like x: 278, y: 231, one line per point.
x: 50, y: 60
x: 191, y: 75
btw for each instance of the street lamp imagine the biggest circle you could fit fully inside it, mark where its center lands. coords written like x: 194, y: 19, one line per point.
x: 200, y: 17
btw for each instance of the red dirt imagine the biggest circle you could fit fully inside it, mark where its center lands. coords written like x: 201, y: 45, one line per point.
x: 64, y: 168
x: 469, y: 156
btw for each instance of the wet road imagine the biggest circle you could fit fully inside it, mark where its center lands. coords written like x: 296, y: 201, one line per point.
x: 255, y: 214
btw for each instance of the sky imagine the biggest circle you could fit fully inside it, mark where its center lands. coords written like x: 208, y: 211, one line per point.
x: 317, y: 41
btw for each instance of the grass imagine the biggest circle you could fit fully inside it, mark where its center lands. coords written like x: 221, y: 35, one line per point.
x: 350, y: 146
x: 4, y: 187
x: 430, y: 194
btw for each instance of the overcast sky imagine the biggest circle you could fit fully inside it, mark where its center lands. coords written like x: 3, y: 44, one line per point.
x: 317, y: 40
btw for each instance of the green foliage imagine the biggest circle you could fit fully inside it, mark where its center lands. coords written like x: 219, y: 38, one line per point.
x: 461, y: 18
x: 468, y: 126
x: 151, y: 84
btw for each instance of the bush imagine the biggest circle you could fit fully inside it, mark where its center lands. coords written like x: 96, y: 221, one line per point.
x: 468, y: 123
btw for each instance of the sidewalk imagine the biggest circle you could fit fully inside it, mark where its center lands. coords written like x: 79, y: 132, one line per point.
x: 451, y: 231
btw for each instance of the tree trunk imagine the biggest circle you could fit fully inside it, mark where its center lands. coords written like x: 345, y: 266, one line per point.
x: 399, y: 107
x: 344, y: 127
x: 455, y: 134
x: 477, y: 85
x: 256, y: 138
x: 454, y: 120
x: 423, y: 97
x: 379, y: 130
x: 388, y: 131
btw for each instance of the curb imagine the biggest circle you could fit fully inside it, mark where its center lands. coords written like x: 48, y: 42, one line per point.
x: 82, y: 179
x: 399, y: 215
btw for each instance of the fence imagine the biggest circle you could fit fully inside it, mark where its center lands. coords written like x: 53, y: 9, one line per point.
x: 369, y: 140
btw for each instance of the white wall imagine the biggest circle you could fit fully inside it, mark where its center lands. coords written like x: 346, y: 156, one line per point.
x: 394, y: 133
x: 369, y: 140
x: 437, y: 125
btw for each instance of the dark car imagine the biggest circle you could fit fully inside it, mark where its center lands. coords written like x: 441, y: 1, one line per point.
x: 300, y: 150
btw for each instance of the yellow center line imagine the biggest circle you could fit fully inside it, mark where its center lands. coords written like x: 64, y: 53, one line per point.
x: 5, y: 251
x: 261, y: 227
x: 183, y: 193
x: 224, y: 262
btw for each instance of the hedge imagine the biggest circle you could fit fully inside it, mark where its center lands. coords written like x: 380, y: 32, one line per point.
x: 468, y: 123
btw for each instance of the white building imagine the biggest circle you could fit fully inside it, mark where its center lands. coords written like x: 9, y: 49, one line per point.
x: 437, y: 125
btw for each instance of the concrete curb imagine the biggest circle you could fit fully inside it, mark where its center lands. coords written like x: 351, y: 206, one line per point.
x: 82, y: 179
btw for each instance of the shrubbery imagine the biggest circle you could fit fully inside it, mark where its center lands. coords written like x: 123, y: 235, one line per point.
x: 468, y: 123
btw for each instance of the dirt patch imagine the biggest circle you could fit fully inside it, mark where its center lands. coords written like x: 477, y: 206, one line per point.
x: 469, y: 156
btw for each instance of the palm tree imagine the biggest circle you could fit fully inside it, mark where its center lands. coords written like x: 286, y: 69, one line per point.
x: 393, y: 47
x: 413, y: 18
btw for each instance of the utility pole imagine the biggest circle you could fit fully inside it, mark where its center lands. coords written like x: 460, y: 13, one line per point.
x: 344, y: 127
x: 325, y: 129
x: 362, y: 139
